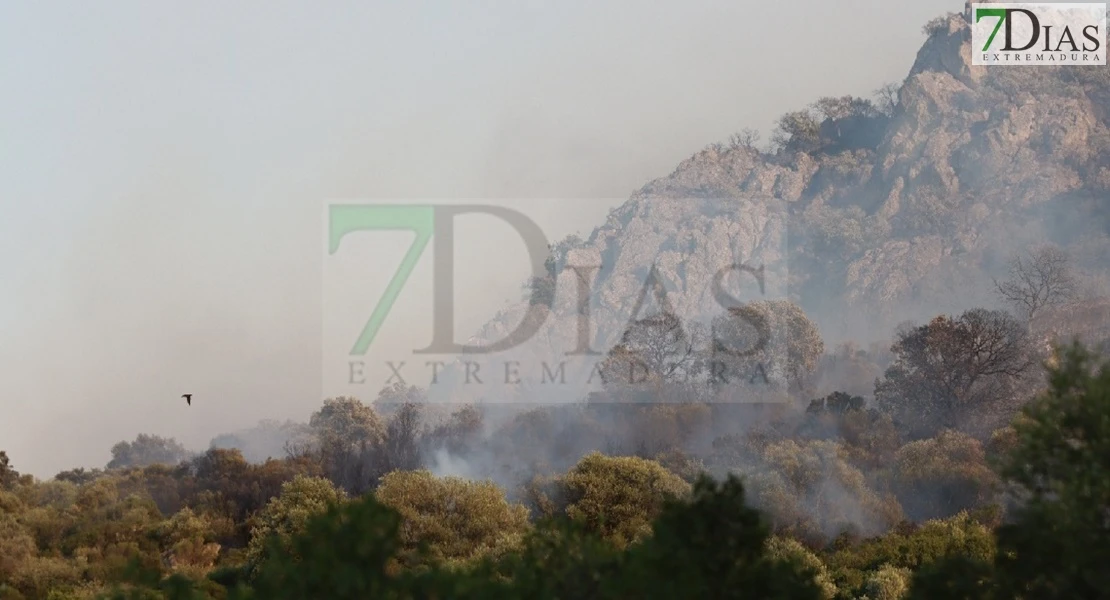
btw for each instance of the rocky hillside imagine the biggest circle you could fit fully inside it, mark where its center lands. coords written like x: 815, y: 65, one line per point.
x: 868, y: 215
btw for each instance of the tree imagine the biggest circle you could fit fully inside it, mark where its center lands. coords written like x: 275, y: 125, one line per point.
x: 189, y: 542
x: 941, y: 476
x: 659, y: 348
x: 458, y: 434
x: 561, y: 559
x: 79, y: 475
x: 224, y: 484
x: 9, y: 477
x: 456, y: 520
x: 17, y: 545
x: 1043, y: 277
x: 790, y: 550
x: 402, y: 441
x: 268, y: 439
x: 403, y: 408
x: 797, y: 131
x: 342, y: 554
x: 956, y: 577
x: 952, y: 371
x: 747, y: 138
x: 812, y: 493
x: 346, y: 422
x: 1059, y: 543
x: 837, y: 403
x: 618, y: 497
x: 289, y: 513
x: 392, y: 397
x: 887, y: 583
x: 791, y: 343
x: 867, y: 565
x: 349, y: 435
x: 147, y: 450
x: 869, y: 439
x: 938, y: 24
x: 836, y: 108
x: 712, y: 545
x: 886, y: 97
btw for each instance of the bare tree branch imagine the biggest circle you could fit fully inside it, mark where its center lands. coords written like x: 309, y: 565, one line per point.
x: 1041, y: 278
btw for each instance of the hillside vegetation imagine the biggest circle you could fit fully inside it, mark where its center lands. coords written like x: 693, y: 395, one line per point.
x: 943, y: 429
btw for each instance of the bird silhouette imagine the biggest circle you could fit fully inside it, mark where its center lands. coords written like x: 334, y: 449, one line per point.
x: 188, y: 399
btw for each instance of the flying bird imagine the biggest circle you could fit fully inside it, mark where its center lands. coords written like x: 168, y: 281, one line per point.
x: 188, y: 399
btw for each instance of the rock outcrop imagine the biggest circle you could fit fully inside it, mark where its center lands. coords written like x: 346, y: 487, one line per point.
x: 971, y: 164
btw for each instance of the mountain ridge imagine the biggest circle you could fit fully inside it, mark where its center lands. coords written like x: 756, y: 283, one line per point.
x: 971, y: 163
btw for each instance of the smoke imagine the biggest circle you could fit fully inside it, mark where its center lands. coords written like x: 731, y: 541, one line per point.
x: 180, y: 247
x: 269, y: 439
x: 443, y: 464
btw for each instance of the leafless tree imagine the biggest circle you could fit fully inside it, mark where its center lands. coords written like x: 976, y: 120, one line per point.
x: 747, y: 138
x: 886, y: 97
x: 1043, y: 277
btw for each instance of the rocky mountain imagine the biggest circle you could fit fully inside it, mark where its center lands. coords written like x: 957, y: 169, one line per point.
x: 866, y: 215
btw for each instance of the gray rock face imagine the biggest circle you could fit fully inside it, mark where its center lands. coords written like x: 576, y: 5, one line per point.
x: 974, y: 163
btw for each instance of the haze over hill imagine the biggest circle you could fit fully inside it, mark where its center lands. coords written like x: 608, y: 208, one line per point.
x: 866, y: 215
x: 841, y: 363
x: 180, y: 157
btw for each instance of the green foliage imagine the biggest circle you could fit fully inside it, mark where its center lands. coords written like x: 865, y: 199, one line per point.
x: 887, y: 583
x: 797, y: 131
x: 811, y: 491
x: 348, y: 435
x: 689, y: 468
x: 617, y: 527
x: 618, y: 497
x: 346, y: 422
x: 712, y: 546
x: 361, y: 538
x: 956, y: 577
x: 455, y: 521
x: 188, y: 540
x: 851, y: 565
x: 40, y: 575
x: 288, y: 514
x: 1059, y: 544
x: 79, y: 475
x: 784, y: 549
x: 558, y: 559
x: 9, y: 477
x: 147, y: 450
x: 943, y: 475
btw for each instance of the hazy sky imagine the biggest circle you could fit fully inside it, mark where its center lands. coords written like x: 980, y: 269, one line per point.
x: 163, y: 168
